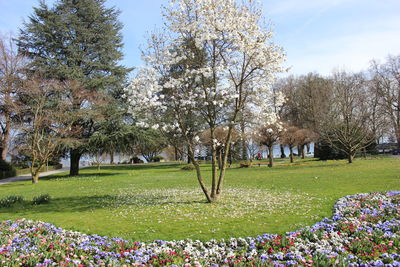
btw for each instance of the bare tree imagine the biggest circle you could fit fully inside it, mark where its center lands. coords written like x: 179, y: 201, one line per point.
x: 289, y: 138
x: 304, y: 137
x: 47, y: 123
x: 268, y: 136
x: 379, y: 123
x: 347, y: 128
x: 11, y: 67
x: 251, y: 145
x: 387, y: 84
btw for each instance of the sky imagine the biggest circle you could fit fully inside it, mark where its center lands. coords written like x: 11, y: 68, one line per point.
x: 316, y: 35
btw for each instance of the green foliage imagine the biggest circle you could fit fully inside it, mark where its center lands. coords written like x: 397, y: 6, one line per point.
x: 64, y: 43
x: 324, y: 151
x: 6, y: 170
x: 112, y: 134
x: 79, y: 43
x: 8, y: 201
x: 149, y: 143
x: 321, y: 260
x: 188, y: 168
x: 158, y: 158
x: 41, y: 199
x: 136, y: 159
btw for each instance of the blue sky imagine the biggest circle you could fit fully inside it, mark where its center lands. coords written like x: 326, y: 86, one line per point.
x: 317, y: 35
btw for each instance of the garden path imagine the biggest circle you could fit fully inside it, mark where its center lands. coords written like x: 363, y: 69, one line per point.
x: 29, y: 177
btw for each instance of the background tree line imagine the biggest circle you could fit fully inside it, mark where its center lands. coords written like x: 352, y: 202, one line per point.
x: 345, y: 113
x: 61, y: 93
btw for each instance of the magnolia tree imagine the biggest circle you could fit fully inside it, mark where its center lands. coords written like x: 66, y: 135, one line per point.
x: 214, y: 58
x: 220, y: 134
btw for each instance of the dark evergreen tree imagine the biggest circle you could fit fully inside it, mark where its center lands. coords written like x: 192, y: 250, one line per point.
x: 323, y: 150
x: 80, y: 41
x: 114, y: 134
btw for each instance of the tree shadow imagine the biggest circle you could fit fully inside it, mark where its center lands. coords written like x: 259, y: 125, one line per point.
x: 130, y: 167
x: 92, y: 203
x: 81, y: 176
x: 60, y: 205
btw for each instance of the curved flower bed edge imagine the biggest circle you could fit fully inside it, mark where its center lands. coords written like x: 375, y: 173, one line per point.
x: 363, y: 231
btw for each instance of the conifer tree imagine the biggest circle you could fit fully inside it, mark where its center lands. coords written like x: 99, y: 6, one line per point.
x: 78, y: 41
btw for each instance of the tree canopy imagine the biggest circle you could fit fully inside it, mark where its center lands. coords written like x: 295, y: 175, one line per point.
x: 77, y: 41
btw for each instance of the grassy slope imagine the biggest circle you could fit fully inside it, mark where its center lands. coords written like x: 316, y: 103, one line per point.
x: 163, y: 202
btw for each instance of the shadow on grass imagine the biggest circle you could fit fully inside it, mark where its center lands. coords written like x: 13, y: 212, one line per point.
x: 122, y: 167
x: 60, y: 205
x: 81, y: 176
x: 300, y: 165
x: 91, y: 203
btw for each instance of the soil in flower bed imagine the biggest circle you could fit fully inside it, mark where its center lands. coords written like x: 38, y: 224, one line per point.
x: 363, y: 231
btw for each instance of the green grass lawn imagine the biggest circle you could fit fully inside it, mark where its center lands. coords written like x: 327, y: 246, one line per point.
x: 147, y: 202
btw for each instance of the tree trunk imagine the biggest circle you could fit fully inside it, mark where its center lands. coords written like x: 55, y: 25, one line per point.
x: 219, y: 154
x: 224, y: 161
x: 291, y: 154
x: 214, y: 158
x: 35, y: 172
x: 270, y: 156
x: 176, y: 153
x: 308, y: 146
x: 243, y: 141
x: 350, y: 157
x: 230, y: 156
x: 316, y: 150
x: 75, y: 158
x: 188, y: 158
x: 398, y: 140
x: 35, y: 178
x: 397, y: 130
x: 364, y: 152
x: 302, y: 152
x: 6, y: 139
x: 112, y: 157
x: 282, y: 152
x: 199, y: 177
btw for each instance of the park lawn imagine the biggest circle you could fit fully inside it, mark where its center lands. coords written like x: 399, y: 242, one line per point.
x: 160, y: 201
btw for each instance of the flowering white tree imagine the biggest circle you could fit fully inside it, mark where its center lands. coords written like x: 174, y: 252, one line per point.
x: 215, y: 58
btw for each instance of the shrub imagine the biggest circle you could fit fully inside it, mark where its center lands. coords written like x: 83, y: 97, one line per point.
x: 20, y: 161
x: 6, y: 170
x: 8, y: 201
x: 41, y: 199
x: 56, y: 166
x: 324, y: 151
x: 245, y: 164
x: 157, y: 158
x: 136, y: 159
x: 188, y: 168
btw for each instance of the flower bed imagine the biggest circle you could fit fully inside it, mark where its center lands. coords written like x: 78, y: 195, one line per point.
x: 364, y: 231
